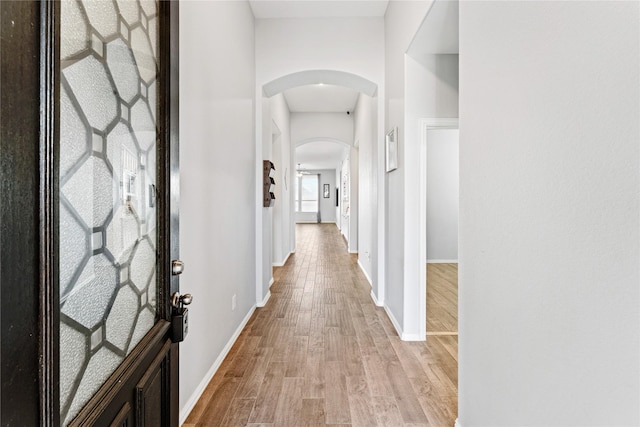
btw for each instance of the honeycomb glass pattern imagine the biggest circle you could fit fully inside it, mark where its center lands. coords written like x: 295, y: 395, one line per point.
x: 108, y: 159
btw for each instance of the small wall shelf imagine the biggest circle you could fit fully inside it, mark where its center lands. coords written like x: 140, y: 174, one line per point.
x: 268, y: 184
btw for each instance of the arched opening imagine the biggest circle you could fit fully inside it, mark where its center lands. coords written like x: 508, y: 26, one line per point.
x: 312, y: 77
x: 329, y: 161
x: 355, y: 130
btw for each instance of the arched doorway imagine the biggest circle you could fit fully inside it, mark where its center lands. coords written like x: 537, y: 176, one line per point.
x: 374, y: 179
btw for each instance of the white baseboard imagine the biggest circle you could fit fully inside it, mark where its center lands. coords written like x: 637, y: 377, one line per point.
x: 281, y: 264
x: 271, y: 282
x: 442, y: 261
x: 395, y: 322
x: 328, y: 222
x: 195, y: 396
x: 375, y: 300
x: 352, y: 252
x: 403, y: 335
x: 365, y: 273
x: 264, y: 301
x: 457, y: 424
x: 412, y: 337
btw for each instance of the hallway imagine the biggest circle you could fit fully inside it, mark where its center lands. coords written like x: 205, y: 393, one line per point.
x: 321, y: 353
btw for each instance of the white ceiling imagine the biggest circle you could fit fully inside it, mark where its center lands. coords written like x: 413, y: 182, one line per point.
x: 319, y: 155
x: 265, y: 9
x: 321, y: 99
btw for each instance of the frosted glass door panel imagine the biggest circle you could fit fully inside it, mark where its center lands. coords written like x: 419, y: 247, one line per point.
x: 108, y: 153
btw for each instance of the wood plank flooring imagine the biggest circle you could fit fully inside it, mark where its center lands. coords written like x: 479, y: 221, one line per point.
x: 320, y: 353
x: 442, y: 298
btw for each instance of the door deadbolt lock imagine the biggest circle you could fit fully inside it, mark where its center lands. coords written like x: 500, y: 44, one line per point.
x: 180, y: 316
x: 177, y: 267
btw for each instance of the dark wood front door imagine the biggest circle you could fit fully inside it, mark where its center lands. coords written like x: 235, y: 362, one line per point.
x: 89, y: 212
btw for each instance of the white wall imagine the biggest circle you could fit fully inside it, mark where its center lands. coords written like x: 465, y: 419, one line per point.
x: 401, y: 22
x: 349, y: 218
x: 285, y: 46
x: 338, y: 216
x: 327, y: 206
x: 217, y: 224
x: 345, y: 195
x: 354, y: 176
x: 442, y: 195
x: 365, y: 135
x: 265, y: 214
x: 281, y: 211
x: 306, y: 126
x: 549, y: 214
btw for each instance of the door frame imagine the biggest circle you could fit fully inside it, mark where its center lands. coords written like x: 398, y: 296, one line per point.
x: 29, y: 210
x: 426, y: 125
x: 25, y: 388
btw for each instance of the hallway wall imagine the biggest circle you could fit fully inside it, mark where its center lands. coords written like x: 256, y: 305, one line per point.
x: 285, y: 46
x: 217, y: 156
x: 365, y: 135
x: 402, y: 20
x: 349, y: 178
x: 281, y: 211
x: 549, y: 214
x: 442, y: 195
x: 306, y: 126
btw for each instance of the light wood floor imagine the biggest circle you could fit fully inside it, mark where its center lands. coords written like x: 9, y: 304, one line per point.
x: 442, y: 298
x: 320, y: 353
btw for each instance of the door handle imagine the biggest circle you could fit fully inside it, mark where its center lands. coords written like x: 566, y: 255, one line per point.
x: 179, y: 301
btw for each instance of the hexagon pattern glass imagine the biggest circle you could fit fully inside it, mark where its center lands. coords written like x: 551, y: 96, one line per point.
x: 108, y: 289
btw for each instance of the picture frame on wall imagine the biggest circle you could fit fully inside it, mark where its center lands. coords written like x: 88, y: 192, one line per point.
x: 391, y: 150
x: 326, y: 191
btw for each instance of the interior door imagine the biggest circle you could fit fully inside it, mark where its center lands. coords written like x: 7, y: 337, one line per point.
x: 90, y: 176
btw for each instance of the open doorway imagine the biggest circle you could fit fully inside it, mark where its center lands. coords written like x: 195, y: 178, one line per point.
x: 307, y: 196
x: 440, y: 187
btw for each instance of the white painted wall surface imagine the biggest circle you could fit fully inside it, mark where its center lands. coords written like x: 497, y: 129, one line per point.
x: 327, y: 206
x: 316, y: 126
x: 285, y: 46
x: 354, y: 176
x: 217, y: 209
x: 276, y: 214
x: 338, y: 217
x: 401, y: 22
x: 364, y: 134
x: 265, y: 213
x: 549, y: 214
x: 284, y: 190
x: 345, y: 191
x: 442, y: 195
